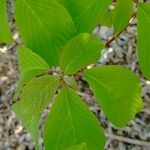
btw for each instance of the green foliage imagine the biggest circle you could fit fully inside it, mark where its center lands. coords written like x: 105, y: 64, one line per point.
x: 107, y: 19
x: 70, y: 123
x: 86, y: 13
x: 34, y: 98
x: 143, y: 38
x: 122, y: 14
x: 70, y: 81
x: 58, y: 48
x: 5, y: 34
x: 30, y: 65
x: 75, y: 54
x: 118, y: 92
x: 118, y: 17
x: 81, y: 146
x: 45, y: 31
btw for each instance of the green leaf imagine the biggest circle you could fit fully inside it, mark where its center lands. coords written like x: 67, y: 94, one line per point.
x: 79, y: 52
x: 34, y: 98
x: 71, y: 82
x: 81, y: 146
x: 71, y: 123
x: 29, y: 60
x: 45, y: 27
x: 5, y: 34
x: 117, y: 90
x: 122, y: 14
x: 86, y: 14
x: 143, y: 38
x: 30, y: 65
x: 107, y: 19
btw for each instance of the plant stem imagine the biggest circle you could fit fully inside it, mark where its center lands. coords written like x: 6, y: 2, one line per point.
x: 127, y: 140
x: 116, y: 36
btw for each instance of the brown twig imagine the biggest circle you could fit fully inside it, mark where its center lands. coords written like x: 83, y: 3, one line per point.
x: 127, y: 140
x: 135, y: 1
x: 116, y: 36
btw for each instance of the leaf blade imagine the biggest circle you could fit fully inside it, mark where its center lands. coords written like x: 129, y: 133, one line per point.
x: 34, y: 99
x: 5, y: 34
x: 114, y: 93
x: 81, y: 146
x: 86, y: 14
x: 30, y: 65
x: 71, y: 123
x: 143, y: 36
x: 45, y: 31
x: 80, y: 51
x: 29, y: 60
x: 124, y: 11
x: 107, y: 19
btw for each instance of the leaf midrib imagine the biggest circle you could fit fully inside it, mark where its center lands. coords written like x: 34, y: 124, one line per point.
x: 70, y: 116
